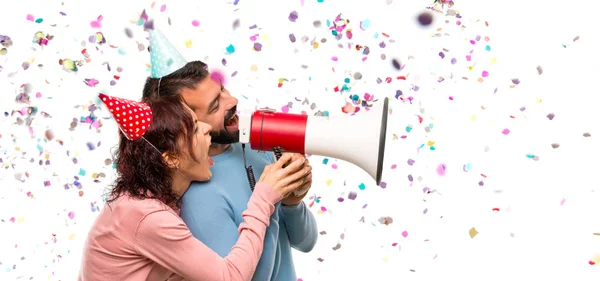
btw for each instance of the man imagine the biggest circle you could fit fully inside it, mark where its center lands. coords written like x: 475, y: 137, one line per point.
x: 212, y: 210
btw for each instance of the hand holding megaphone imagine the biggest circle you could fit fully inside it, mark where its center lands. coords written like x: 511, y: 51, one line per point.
x: 359, y: 139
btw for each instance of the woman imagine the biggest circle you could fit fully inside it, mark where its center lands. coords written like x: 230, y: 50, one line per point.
x: 162, y: 148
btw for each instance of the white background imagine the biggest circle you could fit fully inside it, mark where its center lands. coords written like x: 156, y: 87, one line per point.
x: 548, y: 209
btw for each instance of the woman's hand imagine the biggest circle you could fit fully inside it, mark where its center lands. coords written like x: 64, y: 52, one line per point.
x: 285, y: 180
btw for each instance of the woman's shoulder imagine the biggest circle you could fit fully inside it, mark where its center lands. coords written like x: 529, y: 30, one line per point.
x: 138, y: 207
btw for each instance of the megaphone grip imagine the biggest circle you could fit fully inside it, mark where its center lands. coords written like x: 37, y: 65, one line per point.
x: 278, y: 153
x: 273, y: 129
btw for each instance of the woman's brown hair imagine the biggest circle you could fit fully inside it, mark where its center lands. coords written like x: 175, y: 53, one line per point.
x: 142, y: 172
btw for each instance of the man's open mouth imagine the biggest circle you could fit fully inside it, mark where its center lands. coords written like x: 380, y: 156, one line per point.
x: 232, y: 121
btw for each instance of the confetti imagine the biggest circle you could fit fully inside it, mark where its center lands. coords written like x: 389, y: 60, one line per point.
x: 365, y: 24
x: 91, y: 82
x: 218, y: 77
x: 441, y: 170
x: 386, y: 220
x: 425, y: 18
x: 293, y: 16
x: 352, y: 195
x: 467, y: 167
x: 230, y: 49
x: 96, y: 23
x: 396, y: 64
x: 473, y: 232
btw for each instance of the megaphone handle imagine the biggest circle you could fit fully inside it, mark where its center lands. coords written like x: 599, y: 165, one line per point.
x: 277, y: 152
x: 249, y: 170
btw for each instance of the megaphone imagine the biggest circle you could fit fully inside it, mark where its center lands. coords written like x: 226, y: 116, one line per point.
x: 359, y: 139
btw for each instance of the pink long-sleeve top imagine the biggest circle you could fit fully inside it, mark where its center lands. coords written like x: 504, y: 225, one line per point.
x: 137, y: 239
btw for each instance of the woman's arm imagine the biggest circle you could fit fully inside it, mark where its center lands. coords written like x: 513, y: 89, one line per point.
x: 164, y: 238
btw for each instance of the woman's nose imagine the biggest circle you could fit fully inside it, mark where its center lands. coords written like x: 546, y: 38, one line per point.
x: 206, y: 128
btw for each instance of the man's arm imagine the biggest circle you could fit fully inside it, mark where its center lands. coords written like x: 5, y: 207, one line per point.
x: 211, y: 219
x: 301, y: 226
x: 300, y: 223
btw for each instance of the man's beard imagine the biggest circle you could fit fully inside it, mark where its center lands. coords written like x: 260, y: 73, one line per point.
x: 223, y: 136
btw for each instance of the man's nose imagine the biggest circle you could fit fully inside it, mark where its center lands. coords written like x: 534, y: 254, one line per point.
x: 231, y: 101
x: 234, y: 100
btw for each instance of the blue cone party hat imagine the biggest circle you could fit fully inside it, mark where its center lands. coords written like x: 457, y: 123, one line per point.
x: 165, y: 59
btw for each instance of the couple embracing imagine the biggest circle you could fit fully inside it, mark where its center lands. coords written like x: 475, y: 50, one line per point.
x: 181, y: 207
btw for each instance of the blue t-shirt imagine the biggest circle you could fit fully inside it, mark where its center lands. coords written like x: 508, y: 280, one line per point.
x: 213, y: 212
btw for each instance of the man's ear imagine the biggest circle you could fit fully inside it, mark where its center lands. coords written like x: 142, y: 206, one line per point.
x: 171, y: 159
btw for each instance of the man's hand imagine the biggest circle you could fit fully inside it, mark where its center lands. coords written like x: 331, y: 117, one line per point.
x: 291, y: 198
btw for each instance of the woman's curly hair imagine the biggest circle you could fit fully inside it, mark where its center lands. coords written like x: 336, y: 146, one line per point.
x: 142, y: 172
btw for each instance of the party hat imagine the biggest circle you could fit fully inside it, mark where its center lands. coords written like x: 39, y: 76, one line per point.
x: 133, y: 117
x: 164, y: 57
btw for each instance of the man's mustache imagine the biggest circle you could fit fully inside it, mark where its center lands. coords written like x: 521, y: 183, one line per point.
x: 230, y: 113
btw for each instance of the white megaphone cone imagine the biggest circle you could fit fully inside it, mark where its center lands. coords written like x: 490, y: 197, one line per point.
x: 334, y: 137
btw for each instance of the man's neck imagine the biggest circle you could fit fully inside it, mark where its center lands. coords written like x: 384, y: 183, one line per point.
x: 217, y: 148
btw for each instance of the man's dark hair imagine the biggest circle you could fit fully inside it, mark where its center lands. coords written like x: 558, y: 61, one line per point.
x: 186, y: 77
